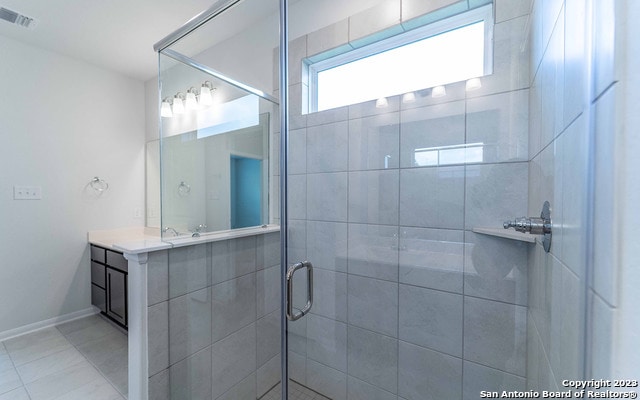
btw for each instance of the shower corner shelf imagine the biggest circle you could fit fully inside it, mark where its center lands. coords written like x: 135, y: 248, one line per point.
x: 506, y: 234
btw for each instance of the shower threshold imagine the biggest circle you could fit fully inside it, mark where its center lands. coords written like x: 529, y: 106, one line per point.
x: 296, y: 392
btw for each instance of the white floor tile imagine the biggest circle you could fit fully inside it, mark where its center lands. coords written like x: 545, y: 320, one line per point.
x: 5, y: 360
x: 99, y: 328
x: 48, y: 365
x: 17, y: 394
x: 96, y: 390
x: 34, y: 346
x: 9, y: 380
x: 63, y: 382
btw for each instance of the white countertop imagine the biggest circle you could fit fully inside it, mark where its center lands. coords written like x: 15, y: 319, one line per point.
x: 137, y: 240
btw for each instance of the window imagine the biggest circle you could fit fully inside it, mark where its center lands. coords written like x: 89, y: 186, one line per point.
x: 447, y: 51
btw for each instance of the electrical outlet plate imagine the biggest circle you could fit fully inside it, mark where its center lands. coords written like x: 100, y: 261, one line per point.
x: 27, y: 193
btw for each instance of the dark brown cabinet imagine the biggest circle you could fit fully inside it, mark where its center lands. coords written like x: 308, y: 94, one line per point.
x: 109, y: 270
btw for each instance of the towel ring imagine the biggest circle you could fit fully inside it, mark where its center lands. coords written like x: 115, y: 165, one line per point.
x: 98, y: 184
x: 184, y: 189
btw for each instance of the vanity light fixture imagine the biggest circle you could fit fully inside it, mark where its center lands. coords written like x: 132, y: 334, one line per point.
x: 438, y: 91
x: 473, y: 84
x: 165, y: 109
x: 178, y: 106
x: 382, y: 102
x: 190, y: 103
x: 408, y: 97
x: 206, y: 98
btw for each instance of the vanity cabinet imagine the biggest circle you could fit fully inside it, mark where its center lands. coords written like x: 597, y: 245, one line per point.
x: 109, y: 272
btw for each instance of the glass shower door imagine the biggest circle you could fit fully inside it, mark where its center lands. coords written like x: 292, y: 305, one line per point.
x: 384, y: 197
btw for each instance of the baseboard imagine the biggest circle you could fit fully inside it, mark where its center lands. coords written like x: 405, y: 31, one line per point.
x: 36, y: 326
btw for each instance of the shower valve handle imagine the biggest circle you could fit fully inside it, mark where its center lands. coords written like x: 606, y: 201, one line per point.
x: 532, y: 225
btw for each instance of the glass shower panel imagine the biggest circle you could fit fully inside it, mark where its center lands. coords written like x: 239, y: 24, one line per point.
x: 215, y: 156
x: 218, y: 172
x: 409, y: 301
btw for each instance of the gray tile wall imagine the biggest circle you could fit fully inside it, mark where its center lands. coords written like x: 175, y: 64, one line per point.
x: 409, y: 303
x: 558, y: 153
x: 214, y: 320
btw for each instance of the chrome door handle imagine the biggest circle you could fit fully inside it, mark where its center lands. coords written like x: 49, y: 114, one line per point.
x: 300, y: 313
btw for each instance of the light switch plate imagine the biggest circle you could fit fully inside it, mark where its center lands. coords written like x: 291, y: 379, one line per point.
x: 27, y: 193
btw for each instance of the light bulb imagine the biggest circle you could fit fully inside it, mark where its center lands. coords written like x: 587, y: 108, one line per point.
x: 165, y: 110
x: 178, y: 107
x: 382, y: 102
x: 473, y: 84
x: 206, y: 99
x: 408, y: 97
x: 190, y: 102
x: 438, y: 91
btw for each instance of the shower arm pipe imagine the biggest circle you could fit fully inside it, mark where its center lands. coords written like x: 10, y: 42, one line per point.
x: 194, y: 23
x: 203, y: 68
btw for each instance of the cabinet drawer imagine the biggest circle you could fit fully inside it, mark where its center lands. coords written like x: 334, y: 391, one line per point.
x: 99, y: 298
x: 97, y: 274
x: 97, y: 254
x: 117, y: 260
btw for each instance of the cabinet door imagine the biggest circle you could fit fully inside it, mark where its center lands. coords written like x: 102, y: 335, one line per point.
x: 117, y: 295
x: 99, y: 298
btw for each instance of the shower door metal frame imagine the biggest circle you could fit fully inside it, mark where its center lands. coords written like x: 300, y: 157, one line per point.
x: 284, y: 227
x: 162, y: 47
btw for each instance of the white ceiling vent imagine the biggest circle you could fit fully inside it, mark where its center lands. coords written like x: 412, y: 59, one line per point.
x: 16, y: 18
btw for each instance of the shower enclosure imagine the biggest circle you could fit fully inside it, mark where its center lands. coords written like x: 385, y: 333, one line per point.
x: 394, y: 202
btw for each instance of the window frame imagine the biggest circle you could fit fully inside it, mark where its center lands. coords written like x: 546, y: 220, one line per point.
x: 484, y: 13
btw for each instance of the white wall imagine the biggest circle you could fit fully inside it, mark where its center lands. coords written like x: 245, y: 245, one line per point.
x: 62, y: 122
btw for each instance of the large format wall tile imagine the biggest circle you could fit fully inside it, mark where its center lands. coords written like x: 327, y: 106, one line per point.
x: 495, y: 268
x: 330, y: 294
x: 234, y: 305
x: 427, y: 375
x: 431, y: 318
x: 297, y: 152
x: 233, y: 258
x: 158, y: 343
x: 268, y: 334
x: 432, y: 258
x: 373, y: 142
x: 373, y: 197
x: 327, y: 342
x: 327, y: 148
x: 432, y: 197
x: 424, y: 130
x: 234, y: 358
x: 327, y: 197
x: 189, y: 269
x: 245, y: 389
x: 478, y: 378
x: 189, y: 324
x: 495, y: 335
x: 158, y: 277
x: 373, y: 251
x: 373, y: 358
x: 500, y: 123
x: 267, y: 290
x: 329, y: 245
x: 360, y: 390
x: 373, y: 304
x: 191, y: 378
x: 495, y: 193
x: 329, y: 381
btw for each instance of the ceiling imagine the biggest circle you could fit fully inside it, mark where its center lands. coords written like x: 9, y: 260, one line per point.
x: 116, y: 34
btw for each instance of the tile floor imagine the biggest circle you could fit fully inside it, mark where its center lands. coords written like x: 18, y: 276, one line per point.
x: 79, y: 360
x: 296, y: 392
x: 85, y: 359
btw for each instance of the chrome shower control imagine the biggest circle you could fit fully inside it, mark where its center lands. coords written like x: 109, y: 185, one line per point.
x: 534, y: 225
